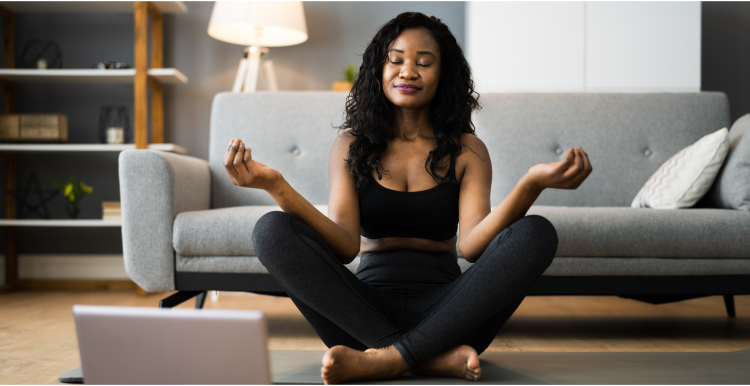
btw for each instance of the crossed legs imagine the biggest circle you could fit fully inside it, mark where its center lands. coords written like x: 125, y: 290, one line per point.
x: 347, y: 312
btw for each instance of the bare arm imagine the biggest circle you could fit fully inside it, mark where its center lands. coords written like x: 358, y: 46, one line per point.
x: 341, y: 231
x: 479, y: 225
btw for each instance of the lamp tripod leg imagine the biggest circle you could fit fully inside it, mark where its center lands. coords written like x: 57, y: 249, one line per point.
x: 270, y: 75
x: 240, y: 77
x: 251, y: 80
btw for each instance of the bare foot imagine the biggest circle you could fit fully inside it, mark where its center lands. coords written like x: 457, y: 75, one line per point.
x: 459, y: 362
x: 341, y: 364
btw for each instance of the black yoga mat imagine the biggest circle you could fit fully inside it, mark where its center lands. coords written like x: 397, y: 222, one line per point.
x: 535, y: 368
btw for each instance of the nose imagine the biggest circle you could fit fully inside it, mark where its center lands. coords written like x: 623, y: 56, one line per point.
x: 408, y: 71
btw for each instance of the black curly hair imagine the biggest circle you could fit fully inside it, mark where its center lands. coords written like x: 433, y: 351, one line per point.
x: 368, y: 111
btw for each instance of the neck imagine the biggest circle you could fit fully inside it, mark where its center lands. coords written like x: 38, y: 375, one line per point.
x: 411, y: 124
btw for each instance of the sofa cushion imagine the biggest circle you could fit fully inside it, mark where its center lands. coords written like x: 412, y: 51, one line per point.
x: 222, y: 235
x: 626, y: 232
x: 627, y: 136
x: 730, y: 190
x: 219, y: 232
x: 686, y: 176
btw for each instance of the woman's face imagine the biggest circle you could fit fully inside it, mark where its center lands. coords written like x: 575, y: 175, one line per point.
x: 411, y: 73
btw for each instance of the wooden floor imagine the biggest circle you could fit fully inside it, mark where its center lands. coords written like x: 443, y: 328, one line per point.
x: 38, y: 341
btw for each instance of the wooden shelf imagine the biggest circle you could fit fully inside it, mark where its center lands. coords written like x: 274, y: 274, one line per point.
x: 88, y: 6
x: 60, y: 223
x: 86, y: 147
x: 64, y: 75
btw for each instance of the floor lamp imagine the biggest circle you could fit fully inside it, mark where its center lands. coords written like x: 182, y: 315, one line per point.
x: 257, y: 25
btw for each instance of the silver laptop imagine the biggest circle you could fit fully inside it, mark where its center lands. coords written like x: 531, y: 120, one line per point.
x: 137, y: 345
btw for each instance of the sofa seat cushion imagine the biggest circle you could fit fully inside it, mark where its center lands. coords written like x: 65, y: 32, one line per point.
x: 631, y: 232
x: 218, y: 232
x: 220, y: 240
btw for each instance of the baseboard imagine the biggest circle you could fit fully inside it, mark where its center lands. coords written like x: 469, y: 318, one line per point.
x: 33, y: 268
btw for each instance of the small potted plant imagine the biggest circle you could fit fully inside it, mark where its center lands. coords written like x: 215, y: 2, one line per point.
x: 349, y: 74
x: 74, y: 191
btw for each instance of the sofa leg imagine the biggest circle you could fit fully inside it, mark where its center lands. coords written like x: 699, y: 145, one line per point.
x: 729, y: 304
x: 178, y: 298
x: 200, y: 300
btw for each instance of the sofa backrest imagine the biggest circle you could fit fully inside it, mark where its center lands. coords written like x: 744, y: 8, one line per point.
x: 627, y: 136
x: 291, y: 132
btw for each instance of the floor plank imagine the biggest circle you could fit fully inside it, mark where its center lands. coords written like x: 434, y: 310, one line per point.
x: 38, y: 341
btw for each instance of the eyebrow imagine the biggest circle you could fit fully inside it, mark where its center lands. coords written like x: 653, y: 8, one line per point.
x: 418, y: 52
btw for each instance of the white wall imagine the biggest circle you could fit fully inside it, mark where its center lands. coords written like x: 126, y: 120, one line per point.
x: 584, y: 46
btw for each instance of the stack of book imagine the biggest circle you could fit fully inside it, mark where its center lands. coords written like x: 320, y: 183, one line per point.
x: 111, y: 210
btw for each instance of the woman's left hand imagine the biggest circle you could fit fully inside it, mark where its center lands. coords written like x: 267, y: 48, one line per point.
x: 566, y: 174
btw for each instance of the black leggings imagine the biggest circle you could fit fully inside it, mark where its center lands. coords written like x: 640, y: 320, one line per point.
x: 415, y: 300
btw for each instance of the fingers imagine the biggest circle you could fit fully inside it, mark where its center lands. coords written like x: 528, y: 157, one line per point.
x: 575, y: 168
x: 248, y: 156
x: 586, y: 162
x: 229, y: 158
x: 577, y: 179
x: 586, y: 168
x: 239, y: 162
x: 565, y: 163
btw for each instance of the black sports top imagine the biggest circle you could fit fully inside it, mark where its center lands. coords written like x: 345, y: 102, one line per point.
x: 427, y: 214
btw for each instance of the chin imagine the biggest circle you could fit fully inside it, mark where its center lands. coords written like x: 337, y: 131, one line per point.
x: 408, y: 101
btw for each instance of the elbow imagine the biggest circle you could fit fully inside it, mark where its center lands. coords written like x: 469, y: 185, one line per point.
x: 350, y: 254
x: 467, y: 254
x: 470, y: 258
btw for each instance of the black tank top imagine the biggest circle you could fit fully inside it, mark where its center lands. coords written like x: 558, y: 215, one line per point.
x: 428, y: 214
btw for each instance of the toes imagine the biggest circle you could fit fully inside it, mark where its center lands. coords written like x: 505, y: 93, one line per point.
x: 328, y: 375
x: 472, y: 374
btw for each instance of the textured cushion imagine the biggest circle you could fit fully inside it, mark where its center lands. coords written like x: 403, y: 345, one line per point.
x: 290, y: 131
x: 627, y: 136
x: 673, y: 233
x: 592, y: 241
x: 219, y: 232
x: 686, y: 177
x: 732, y: 186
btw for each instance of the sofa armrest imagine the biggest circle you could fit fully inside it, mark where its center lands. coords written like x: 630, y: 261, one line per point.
x: 154, y: 187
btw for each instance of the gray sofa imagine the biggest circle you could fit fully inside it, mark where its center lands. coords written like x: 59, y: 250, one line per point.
x: 186, y: 227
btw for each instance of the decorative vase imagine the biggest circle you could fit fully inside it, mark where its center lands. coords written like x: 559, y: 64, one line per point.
x: 114, y: 125
x: 73, y: 211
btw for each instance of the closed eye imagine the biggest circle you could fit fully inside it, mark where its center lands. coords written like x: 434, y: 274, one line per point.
x: 418, y: 64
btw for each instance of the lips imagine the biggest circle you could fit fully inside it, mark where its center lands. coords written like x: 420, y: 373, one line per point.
x: 408, y: 85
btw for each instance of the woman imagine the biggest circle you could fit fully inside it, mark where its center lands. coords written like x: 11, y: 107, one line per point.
x: 405, y: 172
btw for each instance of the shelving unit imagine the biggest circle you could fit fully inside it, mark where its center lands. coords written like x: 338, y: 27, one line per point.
x: 64, y: 75
x: 142, y: 76
x: 86, y: 147
x: 60, y: 223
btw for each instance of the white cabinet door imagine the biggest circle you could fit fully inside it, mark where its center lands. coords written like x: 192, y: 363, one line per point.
x: 584, y: 46
x: 643, y: 46
x: 526, y: 46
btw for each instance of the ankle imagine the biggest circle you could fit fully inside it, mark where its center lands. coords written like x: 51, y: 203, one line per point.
x: 394, y: 357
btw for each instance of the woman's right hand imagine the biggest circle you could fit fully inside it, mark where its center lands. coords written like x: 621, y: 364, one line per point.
x: 246, y: 172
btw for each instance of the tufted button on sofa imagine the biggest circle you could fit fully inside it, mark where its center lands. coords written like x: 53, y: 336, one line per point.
x: 186, y: 227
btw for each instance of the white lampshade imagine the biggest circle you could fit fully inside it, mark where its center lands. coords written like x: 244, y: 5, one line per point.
x: 280, y: 23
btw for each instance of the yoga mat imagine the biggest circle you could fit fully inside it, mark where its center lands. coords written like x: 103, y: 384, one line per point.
x: 535, y: 368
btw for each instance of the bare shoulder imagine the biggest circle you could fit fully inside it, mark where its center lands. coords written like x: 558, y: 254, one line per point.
x: 473, y: 149
x: 345, y: 138
x: 341, y: 143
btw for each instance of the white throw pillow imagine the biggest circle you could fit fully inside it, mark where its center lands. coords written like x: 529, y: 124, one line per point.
x: 685, y: 178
